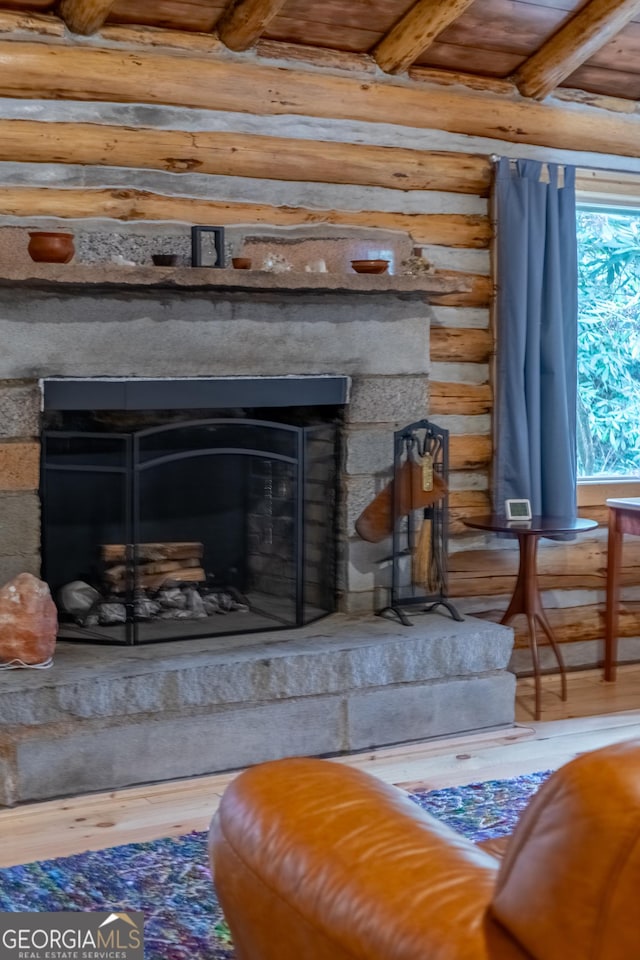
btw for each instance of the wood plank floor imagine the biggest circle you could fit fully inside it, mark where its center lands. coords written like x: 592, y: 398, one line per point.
x: 596, y: 713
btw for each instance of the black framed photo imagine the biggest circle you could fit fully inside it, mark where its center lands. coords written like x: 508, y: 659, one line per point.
x: 207, y: 246
x: 517, y: 509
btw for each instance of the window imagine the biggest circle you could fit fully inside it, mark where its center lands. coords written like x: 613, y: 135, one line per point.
x: 608, y: 424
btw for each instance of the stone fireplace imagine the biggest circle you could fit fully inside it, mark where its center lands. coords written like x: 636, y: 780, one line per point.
x: 111, y: 328
x: 105, y: 717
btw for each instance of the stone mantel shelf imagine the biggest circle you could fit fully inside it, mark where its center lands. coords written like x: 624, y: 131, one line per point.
x: 197, y: 279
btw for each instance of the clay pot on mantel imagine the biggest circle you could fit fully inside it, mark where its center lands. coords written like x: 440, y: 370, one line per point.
x: 51, y: 246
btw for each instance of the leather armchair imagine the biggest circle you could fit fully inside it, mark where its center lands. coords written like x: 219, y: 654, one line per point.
x: 314, y: 860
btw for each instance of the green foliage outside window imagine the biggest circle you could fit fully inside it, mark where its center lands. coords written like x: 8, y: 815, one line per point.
x: 608, y: 343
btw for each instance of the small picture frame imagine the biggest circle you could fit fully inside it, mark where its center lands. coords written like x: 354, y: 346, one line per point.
x: 517, y: 510
x: 207, y: 246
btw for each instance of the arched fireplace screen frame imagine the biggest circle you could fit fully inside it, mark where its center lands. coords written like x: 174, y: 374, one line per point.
x: 253, y: 447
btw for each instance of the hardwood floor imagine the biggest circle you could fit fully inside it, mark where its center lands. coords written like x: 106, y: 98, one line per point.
x: 596, y: 713
x: 589, y: 695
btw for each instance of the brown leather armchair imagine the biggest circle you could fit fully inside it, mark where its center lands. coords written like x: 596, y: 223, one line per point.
x: 314, y: 860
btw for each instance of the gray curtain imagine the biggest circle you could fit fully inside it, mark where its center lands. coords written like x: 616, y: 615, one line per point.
x: 536, y: 329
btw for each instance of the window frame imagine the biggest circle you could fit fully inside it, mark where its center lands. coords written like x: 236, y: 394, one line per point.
x: 594, y: 491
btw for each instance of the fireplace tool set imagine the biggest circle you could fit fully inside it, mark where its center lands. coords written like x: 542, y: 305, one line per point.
x: 413, y: 510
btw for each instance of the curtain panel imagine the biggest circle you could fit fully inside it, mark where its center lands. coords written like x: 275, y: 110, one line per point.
x: 536, y: 332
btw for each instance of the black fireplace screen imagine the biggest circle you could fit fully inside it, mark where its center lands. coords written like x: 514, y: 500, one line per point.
x: 189, y: 529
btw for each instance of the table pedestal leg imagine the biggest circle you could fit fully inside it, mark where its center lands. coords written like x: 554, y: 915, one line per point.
x: 614, y: 557
x: 526, y: 600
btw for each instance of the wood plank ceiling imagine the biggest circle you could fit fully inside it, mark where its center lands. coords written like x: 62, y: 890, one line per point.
x: 591, y: 46
x: 587, y: 45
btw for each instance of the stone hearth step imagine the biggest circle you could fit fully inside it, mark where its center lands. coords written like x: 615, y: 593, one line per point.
x: 109, y: 717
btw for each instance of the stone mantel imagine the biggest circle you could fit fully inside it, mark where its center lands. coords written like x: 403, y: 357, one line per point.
x: 66, y: 277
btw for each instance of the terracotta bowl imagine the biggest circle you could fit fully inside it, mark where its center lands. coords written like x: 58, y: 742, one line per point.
x: 241, y: 263
x: 50, y: 247
x: 165, y: 259
x: 370, y: 266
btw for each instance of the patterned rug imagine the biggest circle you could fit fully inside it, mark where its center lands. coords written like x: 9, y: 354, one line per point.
x: 169, y: 880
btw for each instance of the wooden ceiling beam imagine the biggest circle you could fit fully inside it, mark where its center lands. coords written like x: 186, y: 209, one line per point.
x: 415, y: 32
x: 585, y: 33
x: 85, y: 16
x: 243, y: 23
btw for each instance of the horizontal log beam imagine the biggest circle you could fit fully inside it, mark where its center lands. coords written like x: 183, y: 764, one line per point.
x: 573, y: 624
x: 243, y: 155
x: 104, y: 74
x: 460, y: 345
x: 600, y: 100
x: 611, y: 185
x: 478, y: 294
x: 338, y: 61
x: 451, y: 230
x: 39, y: 24
x: 599, y: 513
x: 472, y: 81
x: 465, y: 231
x: 461, y: 399
x: 473, y: 501
x: 596, y: 493
x: 323, y: 57
x: 466, y: 503
x: 470, y: 587
x: 577, y: 564
x: 584, y: 556
x: 469, y: 452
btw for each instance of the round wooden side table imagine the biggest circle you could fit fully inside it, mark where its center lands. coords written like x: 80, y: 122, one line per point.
x: 526, y: 594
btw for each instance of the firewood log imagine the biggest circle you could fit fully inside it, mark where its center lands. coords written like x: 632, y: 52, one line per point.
x: 117, y: 573
x: 116, y: 552
x: 154, y: 581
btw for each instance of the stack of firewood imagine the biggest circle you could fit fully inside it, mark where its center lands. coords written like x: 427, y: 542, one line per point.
x: 155, y: 564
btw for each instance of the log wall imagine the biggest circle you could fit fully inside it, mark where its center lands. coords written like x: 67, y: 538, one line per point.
x: 168, y: 130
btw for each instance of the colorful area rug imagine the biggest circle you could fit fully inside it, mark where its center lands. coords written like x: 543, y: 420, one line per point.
x: 169, y: 880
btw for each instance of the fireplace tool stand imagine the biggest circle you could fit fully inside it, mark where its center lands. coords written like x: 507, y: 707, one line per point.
x: 419, y: 521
